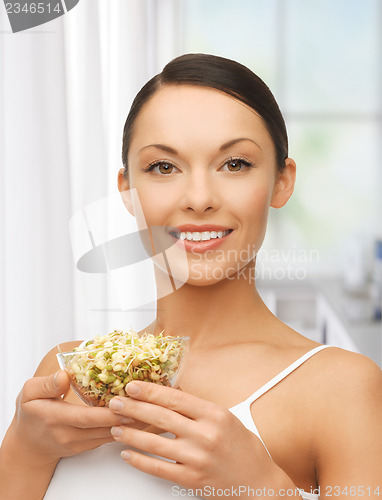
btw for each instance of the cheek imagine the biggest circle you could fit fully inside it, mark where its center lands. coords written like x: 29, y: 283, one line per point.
x: 254, y: 204
x: 156, y: 203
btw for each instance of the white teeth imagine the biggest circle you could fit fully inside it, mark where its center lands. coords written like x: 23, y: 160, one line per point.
x: 201, y: 236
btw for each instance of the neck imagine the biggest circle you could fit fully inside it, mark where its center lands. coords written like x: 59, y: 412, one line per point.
x: 215, y: 314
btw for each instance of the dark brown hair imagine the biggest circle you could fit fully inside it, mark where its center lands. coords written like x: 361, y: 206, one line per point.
x: 221, y: 74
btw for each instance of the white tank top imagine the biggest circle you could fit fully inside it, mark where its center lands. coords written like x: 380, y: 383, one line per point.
x: 101, y: 473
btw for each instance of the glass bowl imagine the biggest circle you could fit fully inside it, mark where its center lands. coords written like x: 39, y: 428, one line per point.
x: 98, y: 372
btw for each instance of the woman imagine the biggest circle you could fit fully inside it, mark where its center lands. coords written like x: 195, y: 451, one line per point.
x: 263, y: 411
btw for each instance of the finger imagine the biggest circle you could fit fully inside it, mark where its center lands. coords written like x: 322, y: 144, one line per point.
x: 154, y: 466
x: 150, y: 443
x: 152, y: 414
x: 52, y: 386
x: 85, y: 417
x: 85, y: 445
x: 139, y: 425
x: 90, y: 434
x: 168, y: 397
x: 58, y: 412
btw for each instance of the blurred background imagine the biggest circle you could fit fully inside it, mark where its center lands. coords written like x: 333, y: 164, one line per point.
x: 65, y: 91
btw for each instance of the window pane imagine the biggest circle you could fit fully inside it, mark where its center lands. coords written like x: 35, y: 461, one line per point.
x: 332, y: 56
x: 337, y: 191
x: 243, y: 30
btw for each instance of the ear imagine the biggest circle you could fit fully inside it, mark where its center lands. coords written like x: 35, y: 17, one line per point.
x: 284, y: 184
x: 124, y: 189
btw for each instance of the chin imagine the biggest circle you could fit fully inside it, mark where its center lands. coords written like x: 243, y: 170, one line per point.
x: 203, y: 282
x: 201, y: 275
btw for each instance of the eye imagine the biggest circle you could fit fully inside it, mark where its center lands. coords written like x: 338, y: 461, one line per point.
x: 236, y: 164
x: 161, y: 167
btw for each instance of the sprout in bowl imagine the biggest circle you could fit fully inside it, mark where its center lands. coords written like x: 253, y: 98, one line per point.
x: 103, y: 367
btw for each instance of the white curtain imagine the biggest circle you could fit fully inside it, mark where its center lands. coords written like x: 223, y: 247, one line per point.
x: 65, y: 90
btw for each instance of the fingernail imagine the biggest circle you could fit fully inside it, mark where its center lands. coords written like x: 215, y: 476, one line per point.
x: 126, y: 455
x: 116, y: 431
x: 132, y: 389
x: 55, y: 379
x: 127, y: 421
x: 116, y: 404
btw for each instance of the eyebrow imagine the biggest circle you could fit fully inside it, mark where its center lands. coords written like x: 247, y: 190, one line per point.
x: 223, y: 147
x: 228, y: 144
x: 163, y: 147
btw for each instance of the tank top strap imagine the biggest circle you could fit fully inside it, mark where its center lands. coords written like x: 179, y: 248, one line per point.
x: 275, y: 380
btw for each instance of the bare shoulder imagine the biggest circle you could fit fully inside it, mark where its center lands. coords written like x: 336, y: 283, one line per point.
x: 350, y: 372
x: 49, y: 364
x: 347, y: 417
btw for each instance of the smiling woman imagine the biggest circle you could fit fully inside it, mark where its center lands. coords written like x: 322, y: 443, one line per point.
x: 205, y: 148
x: 172, y: 158
x: 205, y: 185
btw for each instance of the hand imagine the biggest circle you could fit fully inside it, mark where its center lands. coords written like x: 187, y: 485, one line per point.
x: 51, y: 428
x: 211, y: 447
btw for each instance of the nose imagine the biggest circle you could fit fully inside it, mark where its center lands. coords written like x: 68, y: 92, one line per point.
x: 200, y: 193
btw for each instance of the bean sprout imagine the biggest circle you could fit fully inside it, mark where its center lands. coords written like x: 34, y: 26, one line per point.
x: 103, y: 367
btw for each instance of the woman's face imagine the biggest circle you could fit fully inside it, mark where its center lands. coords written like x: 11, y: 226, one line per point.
x: 204, y: 166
